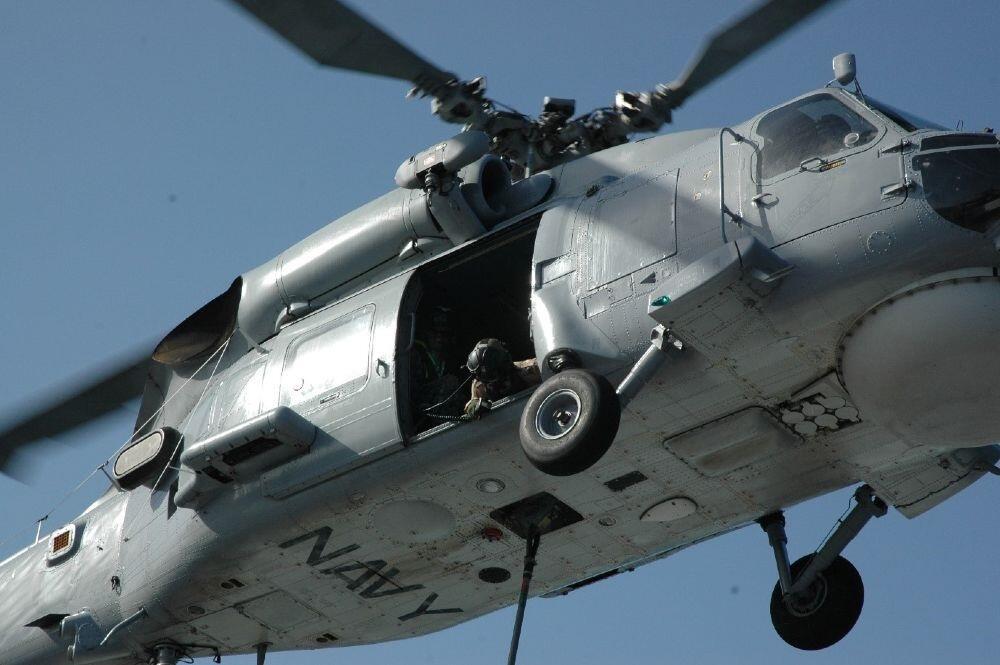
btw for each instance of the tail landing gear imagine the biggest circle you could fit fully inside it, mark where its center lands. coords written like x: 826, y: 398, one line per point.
x: 818, y: 599
x: 824, y: 612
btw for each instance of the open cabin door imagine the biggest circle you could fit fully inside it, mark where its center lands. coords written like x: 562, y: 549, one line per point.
x: 478, y: 292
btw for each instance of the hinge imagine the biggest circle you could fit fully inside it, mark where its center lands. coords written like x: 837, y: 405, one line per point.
x: 902, y: 146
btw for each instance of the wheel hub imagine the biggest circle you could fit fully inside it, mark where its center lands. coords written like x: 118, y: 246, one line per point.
x: 558, y: 414
x: 806, y: 602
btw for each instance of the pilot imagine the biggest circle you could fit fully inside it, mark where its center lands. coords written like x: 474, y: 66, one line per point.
x: 496, y: 374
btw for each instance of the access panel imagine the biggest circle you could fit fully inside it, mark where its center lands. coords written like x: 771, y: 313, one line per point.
x: 627, y: 225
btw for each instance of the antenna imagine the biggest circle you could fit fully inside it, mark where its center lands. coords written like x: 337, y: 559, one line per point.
x: 845, y: 71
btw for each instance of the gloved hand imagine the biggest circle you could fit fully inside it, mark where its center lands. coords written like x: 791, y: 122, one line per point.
x: 475, y: 407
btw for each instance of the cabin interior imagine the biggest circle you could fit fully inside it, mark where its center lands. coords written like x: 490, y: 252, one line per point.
x: 482, y: 292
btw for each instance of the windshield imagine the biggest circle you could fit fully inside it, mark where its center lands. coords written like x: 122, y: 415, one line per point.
x: 907, y: 121
x: 813, y: 128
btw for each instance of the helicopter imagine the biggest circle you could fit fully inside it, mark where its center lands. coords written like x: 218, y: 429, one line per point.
x: 485, y: 418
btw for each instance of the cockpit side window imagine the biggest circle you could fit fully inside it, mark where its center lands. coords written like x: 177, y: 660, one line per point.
x: 815, y: 127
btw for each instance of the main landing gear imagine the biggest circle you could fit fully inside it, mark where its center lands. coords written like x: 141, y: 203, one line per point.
x: 572, y: 418
x: 569, y: 422
x: 818, y: 599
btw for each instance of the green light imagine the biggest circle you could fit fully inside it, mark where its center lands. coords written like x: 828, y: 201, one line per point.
x: 661, y: 301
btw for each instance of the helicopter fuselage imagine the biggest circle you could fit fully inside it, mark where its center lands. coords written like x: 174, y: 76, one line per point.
x: 801, y: 372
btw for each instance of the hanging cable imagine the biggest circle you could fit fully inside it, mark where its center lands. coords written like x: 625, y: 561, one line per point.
x: 448, y: 398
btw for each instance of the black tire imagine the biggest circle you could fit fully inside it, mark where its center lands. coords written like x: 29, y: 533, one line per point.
x: 828, y: 615
x: 557, y: 441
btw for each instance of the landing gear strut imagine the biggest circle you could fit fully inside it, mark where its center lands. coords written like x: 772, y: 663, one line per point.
x: 166, y: 654
x: 818, y: 599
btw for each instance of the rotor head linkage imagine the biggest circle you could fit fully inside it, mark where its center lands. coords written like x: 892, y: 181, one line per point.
x: 335, y: 35
x: 462, y: 102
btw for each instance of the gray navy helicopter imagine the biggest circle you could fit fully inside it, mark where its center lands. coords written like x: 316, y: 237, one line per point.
x: 669, y: 339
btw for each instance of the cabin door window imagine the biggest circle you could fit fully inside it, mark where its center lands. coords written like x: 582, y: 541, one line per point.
x: 329, y: 364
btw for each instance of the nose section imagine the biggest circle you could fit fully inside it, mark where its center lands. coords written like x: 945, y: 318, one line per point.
x: 960, y: 175
x: 923, y: 363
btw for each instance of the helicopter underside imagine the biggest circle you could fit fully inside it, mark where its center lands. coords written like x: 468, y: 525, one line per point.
x: 418, y: 538
x: 367, y: 562
x: 751, y: 419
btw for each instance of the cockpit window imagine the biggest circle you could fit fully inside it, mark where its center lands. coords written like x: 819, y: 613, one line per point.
x: 814, y: 127
x: 963, y: 186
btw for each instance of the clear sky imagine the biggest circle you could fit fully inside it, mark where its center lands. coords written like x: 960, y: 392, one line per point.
x: 152, y: 151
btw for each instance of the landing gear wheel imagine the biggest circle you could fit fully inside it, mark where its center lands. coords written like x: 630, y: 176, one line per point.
x: 569, y: 422
x: 825, y: 612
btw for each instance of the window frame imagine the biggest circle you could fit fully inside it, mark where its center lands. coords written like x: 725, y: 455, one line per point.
x: 851, y: 104
x: 329, y: 396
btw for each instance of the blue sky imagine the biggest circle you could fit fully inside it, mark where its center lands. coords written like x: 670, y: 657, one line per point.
x: 150, y: 152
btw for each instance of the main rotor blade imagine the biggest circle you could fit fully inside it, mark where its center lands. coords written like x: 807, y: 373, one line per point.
x: 333, y: 34
x: 734, y: 43
x: 90, y: 398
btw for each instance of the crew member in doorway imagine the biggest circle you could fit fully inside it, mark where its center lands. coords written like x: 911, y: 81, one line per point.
x: 496, y: 375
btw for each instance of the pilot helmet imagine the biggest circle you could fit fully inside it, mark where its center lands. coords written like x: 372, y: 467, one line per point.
x: 489, y: 360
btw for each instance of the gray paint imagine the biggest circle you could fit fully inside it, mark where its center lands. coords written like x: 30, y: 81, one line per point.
x: 761, y: 362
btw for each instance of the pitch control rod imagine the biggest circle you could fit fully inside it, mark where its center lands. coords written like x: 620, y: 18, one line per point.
x: 868, y: 506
